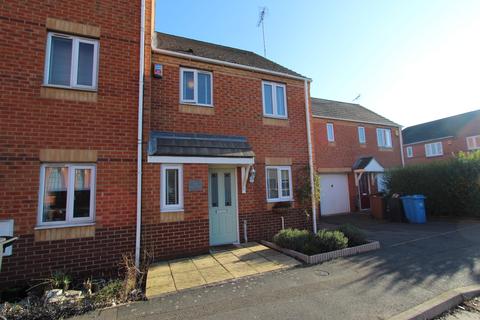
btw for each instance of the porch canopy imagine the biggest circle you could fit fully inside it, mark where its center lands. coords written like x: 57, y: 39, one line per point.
x: 367, y: 165
x: 197, y: 148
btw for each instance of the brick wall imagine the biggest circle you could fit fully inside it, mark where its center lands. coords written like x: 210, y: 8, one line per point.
x: 30, y: 122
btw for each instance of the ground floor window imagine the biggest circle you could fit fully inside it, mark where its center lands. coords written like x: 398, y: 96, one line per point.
x: 171, y: 188
x: 67, y: 194
x: 279, y: 183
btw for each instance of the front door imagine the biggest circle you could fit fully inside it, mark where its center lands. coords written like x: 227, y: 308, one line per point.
x: 364, y: 191
x: 222, y: 202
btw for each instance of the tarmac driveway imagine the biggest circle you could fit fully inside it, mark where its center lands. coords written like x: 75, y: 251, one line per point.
x: 415, y: 264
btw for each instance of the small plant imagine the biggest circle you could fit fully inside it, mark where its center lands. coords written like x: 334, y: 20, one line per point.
x: 60, y: 280
x: 112, y: 292
x: 293, y: 239
x: 356, y: 236
x: 328, y: 240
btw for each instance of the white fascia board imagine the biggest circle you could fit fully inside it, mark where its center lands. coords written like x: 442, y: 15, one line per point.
x: 359, y: 121
x: 200, y: 160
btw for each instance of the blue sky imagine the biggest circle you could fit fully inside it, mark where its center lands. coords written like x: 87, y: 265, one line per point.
x: 411, y: 60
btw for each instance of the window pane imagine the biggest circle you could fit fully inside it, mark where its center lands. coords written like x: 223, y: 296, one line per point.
x: 85, y: 64
x: 267, y: 99
x: 330, y: 135
x: 272, y: 183
x: 81, y: 202
x: 60, y: 61
x: 188, y: 85
x: 172, y: 186
x: 280, y: 101
x: 361, y: 134
x: 214, y: 189
x: 55, y: 195
x: 204, y: 88
x: 285, y: 183
x: 228, y: 190
x: 388, y: 138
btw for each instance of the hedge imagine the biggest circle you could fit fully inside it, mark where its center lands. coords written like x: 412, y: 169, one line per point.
x: 451, y: 187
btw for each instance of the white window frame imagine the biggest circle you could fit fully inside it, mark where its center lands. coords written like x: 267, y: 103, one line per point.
x: 69, y: 219
x: 274, y: 100
x: 387, y: 138
x: 279, y: 183
x: 430, y: 152
x: 74, y: 61
x: 330, y: 132
x: 164, y: 207
x: 472, y: 145
x: 362, y: 135
x: 409, y: 152
x: 195, y: 87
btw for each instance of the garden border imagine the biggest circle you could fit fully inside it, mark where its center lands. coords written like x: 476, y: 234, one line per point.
x: 322, y: 257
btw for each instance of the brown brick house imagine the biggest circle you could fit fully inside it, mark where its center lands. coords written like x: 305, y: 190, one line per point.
x: 69, y: 94
x: 442, y: 139
x: 353, y: 146
x: 227, y: 148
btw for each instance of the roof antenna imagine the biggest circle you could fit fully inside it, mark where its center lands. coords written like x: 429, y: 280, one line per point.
x: 357, y: 97
x: 261, y: 18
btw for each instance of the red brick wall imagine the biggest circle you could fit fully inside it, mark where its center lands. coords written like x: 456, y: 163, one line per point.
x: 450, y: 146
x: 29, y: 123
x: 237, y: 98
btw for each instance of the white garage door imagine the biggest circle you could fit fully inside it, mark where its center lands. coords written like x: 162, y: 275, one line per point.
x: 334, y: 196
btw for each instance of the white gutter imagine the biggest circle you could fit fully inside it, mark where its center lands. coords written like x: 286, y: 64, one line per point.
x: 310, y: 157
x: 226, y: 64
x: 356, y: 121
x: 429, y: 140
x: 401, y: 146
x: 140, y: 137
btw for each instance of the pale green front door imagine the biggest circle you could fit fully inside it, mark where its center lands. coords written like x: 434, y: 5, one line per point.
x: 222, y: 202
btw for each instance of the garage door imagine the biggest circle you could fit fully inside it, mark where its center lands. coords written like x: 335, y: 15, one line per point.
x: 334, y: 196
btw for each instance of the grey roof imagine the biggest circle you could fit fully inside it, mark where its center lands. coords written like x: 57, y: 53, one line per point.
x: 198, y: 145
x: 441, y: 128
x: 217, y: 52
x: 347, y: 111
x: 361, y: 163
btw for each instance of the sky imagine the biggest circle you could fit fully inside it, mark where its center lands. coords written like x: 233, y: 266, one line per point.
x: 411, y: 61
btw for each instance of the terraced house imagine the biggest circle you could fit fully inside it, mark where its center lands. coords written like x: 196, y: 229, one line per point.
x: 115, y: 140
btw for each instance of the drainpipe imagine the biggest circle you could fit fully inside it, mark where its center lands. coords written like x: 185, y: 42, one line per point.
x: 140, y: 137
x: 310, y: 155
x: 401, y: 146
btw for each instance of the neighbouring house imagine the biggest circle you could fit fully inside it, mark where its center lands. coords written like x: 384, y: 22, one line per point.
x: 442, y: 139
x: 352, y: 147
x: 227, y: 149
x: 69, y: 95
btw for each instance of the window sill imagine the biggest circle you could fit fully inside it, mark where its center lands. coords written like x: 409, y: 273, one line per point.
x: 60, y: 226
x: 332, y: 144
x: 385, y: 149
x: 279, y: 200
x: 164, y: 210
x: 435, y: 156
x: 186, y: 103
x: 64, y: 232
x: 196, y: 109
x: 71, y: 94
x: 279, y: 122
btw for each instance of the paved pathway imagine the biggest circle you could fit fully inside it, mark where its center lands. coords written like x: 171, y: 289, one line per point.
x: 415, y: 264
x: 220, y: 265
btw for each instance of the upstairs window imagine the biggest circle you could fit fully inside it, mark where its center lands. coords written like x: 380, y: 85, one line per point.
x: 171, y: 188
x: 67, y: 194
x: 274, y: 100
x: 434, y: 149
x: 361, y: 135
x: 330, y: 133
x: 196, y: 87
x: 473, y: 142
x: 71, y: 62
x: 409, y: 152
x: 279, y: 184
x: 384, y: 138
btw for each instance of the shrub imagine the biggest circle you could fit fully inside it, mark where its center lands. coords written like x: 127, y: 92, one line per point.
x: 329, y: 240
x: 355, y: 236
x: 451, y: 186
x: 293, y: 239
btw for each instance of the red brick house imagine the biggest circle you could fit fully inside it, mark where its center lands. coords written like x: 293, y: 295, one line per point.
x: 69, y: 95
x: 442, y: 139
x: 217, y: 137
x: 227, y: 148
x: 353, y: 146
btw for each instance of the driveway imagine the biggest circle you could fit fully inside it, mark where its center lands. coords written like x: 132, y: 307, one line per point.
x: 415, y: 264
